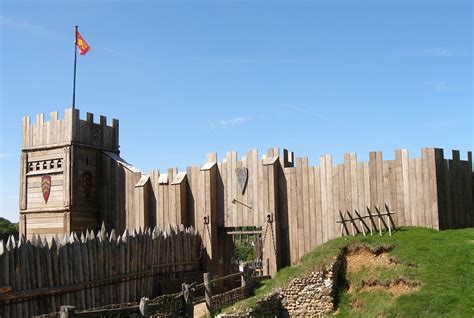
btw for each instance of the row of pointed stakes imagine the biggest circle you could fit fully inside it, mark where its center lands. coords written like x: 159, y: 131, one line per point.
x: 91, y: 269
x: 60, y: 240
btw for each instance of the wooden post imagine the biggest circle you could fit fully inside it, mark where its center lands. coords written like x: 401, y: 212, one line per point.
x: 208, y: 293
x: 67, y: 311
x: 267, y: 266
x: 188, y: 300
x: 143, y: 307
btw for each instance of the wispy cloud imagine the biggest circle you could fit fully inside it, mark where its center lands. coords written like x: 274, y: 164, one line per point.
x: 22, y: 25
x: 443, y: 86
x: 307, y: 111
x: 224, y: 123
x: 5, y: 155
x: 243, y: 60
x: 439, y: 51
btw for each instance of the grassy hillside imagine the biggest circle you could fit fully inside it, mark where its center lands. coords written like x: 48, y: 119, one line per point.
x: 442, y: 263
x: 7, y: 228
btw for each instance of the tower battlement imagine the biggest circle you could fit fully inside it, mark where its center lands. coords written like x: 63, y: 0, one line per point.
x: 59, y: 132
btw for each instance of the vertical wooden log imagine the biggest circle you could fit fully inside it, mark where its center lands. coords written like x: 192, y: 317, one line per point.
x: 318, y: 195
x: 433, y: 188
x: 414, y: 208
x: 143, y: 307
x: 67, y: 311
x: 312, y: 209
x: 5, y: 273
x: 346, y: 179
x: 85, y: 270
x: 49, y: 276
x: 306, y: 211
x: 324, y: 200
x: 330, y: 199
x: 208, y: 293
x: 426, y: 187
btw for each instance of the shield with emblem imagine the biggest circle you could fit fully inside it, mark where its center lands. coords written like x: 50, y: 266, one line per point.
x: 87, y: 183
x: 46, y: 187
x: 242, y: 177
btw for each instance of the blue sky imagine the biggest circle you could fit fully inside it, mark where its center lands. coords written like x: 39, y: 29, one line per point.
x: 190, y: 77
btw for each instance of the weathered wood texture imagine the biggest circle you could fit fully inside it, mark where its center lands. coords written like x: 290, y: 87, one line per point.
x: 58, y: 132
x: 91, y: 183
x: 92, y: 270
x: 429, y: 191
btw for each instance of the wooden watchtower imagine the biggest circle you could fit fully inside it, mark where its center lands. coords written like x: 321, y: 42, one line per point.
x: 60, y: 175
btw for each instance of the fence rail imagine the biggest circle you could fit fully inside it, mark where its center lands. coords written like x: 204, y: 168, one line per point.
x: 387, y: 224
x: 38, y: 276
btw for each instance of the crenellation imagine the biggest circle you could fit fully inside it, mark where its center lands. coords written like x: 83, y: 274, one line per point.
x: 456, y: 155
x: 103, y: 120
x: 70, y: 129
x: 90, y: 118
x: 40, y: 119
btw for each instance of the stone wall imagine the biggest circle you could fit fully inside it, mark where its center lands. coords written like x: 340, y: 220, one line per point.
x: 229, y: 297
x: 312, y: 295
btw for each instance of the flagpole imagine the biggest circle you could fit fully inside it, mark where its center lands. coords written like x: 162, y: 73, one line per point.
x: 75, y: 61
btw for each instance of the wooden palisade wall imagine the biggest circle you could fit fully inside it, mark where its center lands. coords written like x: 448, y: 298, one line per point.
x: 303, y: 200
x: 93, y: 270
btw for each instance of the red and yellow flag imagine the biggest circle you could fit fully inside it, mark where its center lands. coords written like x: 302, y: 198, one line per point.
x: 82, y: 44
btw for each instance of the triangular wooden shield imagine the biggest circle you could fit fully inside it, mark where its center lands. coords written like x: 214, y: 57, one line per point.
x: 46, y: 187
x: 242, y: 177
x: 87, y: 183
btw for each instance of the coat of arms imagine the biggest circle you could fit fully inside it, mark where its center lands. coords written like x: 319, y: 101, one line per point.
x: 46, y: 187
x: 87, y: 183
x: 242, y: 177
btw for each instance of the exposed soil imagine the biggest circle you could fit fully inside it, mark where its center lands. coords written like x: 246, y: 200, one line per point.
x: 399, y: 287
x: 360, y: 258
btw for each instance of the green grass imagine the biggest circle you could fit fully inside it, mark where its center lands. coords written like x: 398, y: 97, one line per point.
x: 444, y: 268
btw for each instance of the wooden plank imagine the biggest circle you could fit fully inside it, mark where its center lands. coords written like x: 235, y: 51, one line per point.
x: 433, y: 188
x: 318, y: 212
x: 234, y: 190
x: 306, y: 210
x: 330, y: 202
x: 300, y: 207
x: 469, y: 188
x: 393, y: 191
x: 414, y: 209
x: 360, y: 186
x: 406, y: 186
x: 228, y: 190
x: 244, y: 197
x: 386, y: 184
x: 223, y: 207
x: 324, y: 199
x: 312, y: 208
x: 256, y: 194
x: 248, y: 194
x: 339, y: 193
x: 238, y: 196
x: 265, y: 194
x: 379, y: 179
x: 426, y: 187
x: 294, y: 215
x: 441, y: 191
x: 354, y: 181
x: 261, y: 214
x: 367, y: 184
x: 347, y: 190
x: 373, y: 178
x: 419, y: 193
